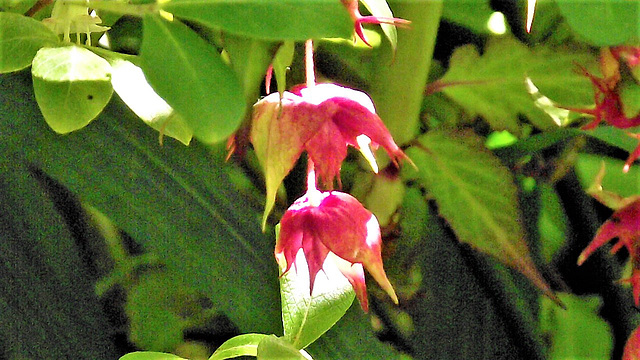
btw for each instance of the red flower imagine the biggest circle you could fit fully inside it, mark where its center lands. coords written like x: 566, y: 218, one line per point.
x: 322, y: 120
x: 326, y: 223
x: 632, y: 348
x: 609, y: 106
x: 624, y: 224
x: 358, y: 19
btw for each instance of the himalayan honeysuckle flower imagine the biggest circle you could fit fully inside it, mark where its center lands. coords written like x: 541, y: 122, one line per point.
x: 321, y: 120
x: 333, y: 226
x: 69, y: 18
x: 624, y: 224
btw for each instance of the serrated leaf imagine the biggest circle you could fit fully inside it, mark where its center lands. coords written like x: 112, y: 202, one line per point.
x: 193, y: 80
x: 493, y: 85
x: 603, y: 23
x: 20, y: 39
x: 269, y: 20
x: 460, y: 173
x: 131, y: 86
x: 72, y: 86
x: 241, y: 345
x: 380, y: 8
x: 150, y: 355
x: 307, y: 316
x: 272, y: 347
x: 576, y: 332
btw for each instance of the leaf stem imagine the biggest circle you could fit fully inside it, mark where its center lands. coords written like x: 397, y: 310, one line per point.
x: 308, y: 62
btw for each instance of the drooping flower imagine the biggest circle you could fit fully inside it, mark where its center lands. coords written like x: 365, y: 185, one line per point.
x: 67, y: 18
x: 624, y: 224
x: 334, y: 226
x: 323, y: 121
x: 359, y: 19
x: 632, y: 347
x: 608, y: 103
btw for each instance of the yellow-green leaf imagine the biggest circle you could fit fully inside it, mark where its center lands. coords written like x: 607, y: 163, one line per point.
x: 72, y: 86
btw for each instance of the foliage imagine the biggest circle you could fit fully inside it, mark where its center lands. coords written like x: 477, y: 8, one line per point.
x: 117, y: 245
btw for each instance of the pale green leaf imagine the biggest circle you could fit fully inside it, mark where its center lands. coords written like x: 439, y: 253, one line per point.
x: 307, y: 316
x: 624, y: 185
x: 72, y: 86
x: 20, y: 39
x: 250, y: 59
x: 193, y: 80
x: 132, y: 87
x: 576, y: 332
x: 380, y: 8
x: 269, y: 20
x: 150, y: 355
x: 272, y: 347
x: 493, y: 85
x: 460, y: 173
x: 241, y: 345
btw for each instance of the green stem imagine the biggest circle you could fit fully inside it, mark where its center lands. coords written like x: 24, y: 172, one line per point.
x: 398, y: 86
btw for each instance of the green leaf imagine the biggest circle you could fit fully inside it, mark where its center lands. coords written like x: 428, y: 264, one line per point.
x: 307, y: 316
x: 603, y: 23
x: 150, y: 355
x: 268, y: 20
x: 576, y: 332
x: 630, y: 95
x: 193, y: 80
x: 132, y: 87
x: 250, y: 59
x: 281, y: 62
x: 625, y: 185
x: 493, y: 85
x: 552, y: 222
x: 460, y: 173
x: 241, y: 345
x: 472, y: 15
x: 72, y: 86
x: 397, y: 84
x: 272, y: 348
x: 47, y: 301
x: 178, y: 202
x: 380, y: 8
x: 20, y: 39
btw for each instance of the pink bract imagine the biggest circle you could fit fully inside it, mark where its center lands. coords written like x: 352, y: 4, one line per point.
x: 321, y: 223
x: 624, y: 224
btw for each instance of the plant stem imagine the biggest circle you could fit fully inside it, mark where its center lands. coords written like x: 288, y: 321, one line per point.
x: 308, y: 62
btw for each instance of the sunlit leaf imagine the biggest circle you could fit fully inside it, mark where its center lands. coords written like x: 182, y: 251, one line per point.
x: 193, y: 80
x: 461, y: 174
x: 241, y: 345
x: 131, y: 86
x: 492, y: 85
x: 307, y: 316
x: 20, y: 38
x: 270, y: 20
x: 72, y: 85
x: 272, y: 347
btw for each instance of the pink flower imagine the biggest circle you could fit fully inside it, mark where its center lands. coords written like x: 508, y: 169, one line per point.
x: 632, y: 347
x: 334, y: 226
x: 358, y: 19
x: 323, y: 121
x: 624, y: 224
